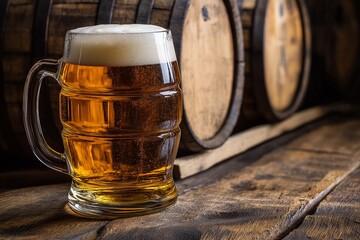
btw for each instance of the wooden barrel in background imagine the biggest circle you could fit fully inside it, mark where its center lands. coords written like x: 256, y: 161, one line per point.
x: 207, y: 36
x: 208, y: 39
x: 212, y: 80
x: 335, y: 27
x: 277, y: 56
x: 4, y: 120
x: 16, y: 59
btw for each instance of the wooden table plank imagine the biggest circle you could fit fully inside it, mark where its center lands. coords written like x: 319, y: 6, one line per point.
x: 244, y: 198
x: 336, y: 138
x: 337, y: 217
x: 189, y: 165
x: 38, y: 213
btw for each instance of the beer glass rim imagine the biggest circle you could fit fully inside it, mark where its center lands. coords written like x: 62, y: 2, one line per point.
x: 74, y: 32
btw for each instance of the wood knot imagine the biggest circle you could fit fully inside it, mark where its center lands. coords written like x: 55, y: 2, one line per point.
x: 264, y: 176
x: 205, y: 13
x: 246, y: 185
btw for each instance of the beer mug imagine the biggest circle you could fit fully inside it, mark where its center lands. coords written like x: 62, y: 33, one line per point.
x: 120, y: 107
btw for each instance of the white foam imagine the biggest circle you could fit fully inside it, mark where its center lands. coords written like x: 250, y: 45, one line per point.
x: 119, y: 45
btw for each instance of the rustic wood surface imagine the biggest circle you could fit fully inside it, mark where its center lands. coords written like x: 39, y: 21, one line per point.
x: 256, y: 195
x: 161, y: 13
x: 338, y: 216
x: 192, y: 164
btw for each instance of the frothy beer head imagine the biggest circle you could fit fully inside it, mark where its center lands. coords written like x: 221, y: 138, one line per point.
x: 119, y: 45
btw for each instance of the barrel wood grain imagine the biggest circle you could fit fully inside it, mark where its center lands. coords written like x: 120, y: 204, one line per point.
x: 347, y: 41
x: 335, y: 28
x: 67, y: 15
x: 125, y: 11
x: 198, y: 73
x: 207, y: 83
x: 250, y: 196
x: 318, y: 38
x: 156, y: 12
x: 5, y: 145
x: 343, y: 45
x: 266, y: 57
x: 337, y: 217
x: 284, y: 41
x: 64, y: 16
x: 161, y: 12
x: 16, y: 61
x: 39, y: 36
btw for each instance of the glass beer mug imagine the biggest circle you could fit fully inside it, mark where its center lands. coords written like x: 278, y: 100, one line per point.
x: 120, y: 106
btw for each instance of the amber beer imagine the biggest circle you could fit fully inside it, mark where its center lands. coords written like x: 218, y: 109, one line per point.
x: 120, y: 107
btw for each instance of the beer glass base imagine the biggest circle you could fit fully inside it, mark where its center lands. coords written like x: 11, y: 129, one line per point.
x: 120, y: 203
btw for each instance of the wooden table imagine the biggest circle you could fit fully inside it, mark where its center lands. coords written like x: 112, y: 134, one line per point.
x: 302, y: 185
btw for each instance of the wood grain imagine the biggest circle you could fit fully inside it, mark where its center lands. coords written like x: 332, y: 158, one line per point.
x: 16, y: 62
x: 35, y: 219
x: 335, y: 28
x: 208, y: 41
x: 125, y: 11
x: 277, y: 55
x: 262, y: 197
x: 207, y: 82
x: 347, y: 38
x: 337, y: 217
x: 190, y: 165
x: 64, y: 16
x: 18, y: 33
x: 4, y: 120
x: 161, y: 13
x: 283, y: 52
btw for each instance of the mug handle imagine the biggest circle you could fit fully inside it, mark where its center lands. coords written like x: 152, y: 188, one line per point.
x: 46, y: 154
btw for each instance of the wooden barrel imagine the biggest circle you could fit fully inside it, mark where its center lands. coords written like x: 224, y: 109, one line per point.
x: 277, y: 56
x: 335, y: 27
x: 16, y: 59
x: 212, y: 80
x: 5, y: 140
x: 208, y: 39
